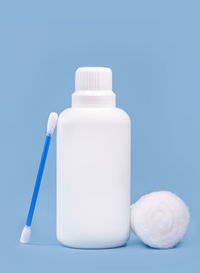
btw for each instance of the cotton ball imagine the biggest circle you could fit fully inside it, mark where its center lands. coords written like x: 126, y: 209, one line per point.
x: 160, y: 219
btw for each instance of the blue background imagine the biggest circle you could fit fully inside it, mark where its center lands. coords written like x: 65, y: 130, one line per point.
x: 153, y: 48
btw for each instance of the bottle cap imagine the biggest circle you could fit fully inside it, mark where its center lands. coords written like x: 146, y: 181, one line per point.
x: 93, y: 88
x: 93, y: 78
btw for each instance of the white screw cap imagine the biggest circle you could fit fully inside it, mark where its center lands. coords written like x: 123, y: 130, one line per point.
x: 93, y: 78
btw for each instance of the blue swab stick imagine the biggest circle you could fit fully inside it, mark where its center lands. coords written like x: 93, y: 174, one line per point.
x: 26, y: 232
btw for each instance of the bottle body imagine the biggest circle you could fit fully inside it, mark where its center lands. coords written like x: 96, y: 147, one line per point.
x: 93, y: 177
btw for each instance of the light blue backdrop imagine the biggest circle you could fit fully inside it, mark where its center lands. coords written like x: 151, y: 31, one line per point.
x: 153, y: 48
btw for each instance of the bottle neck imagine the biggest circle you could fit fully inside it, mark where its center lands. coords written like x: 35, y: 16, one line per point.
x: 94, y: 98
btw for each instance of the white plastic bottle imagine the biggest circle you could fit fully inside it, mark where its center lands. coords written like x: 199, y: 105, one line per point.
x: 93, y: 165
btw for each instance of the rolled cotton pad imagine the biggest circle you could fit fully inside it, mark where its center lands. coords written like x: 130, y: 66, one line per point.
x: 160, y: 219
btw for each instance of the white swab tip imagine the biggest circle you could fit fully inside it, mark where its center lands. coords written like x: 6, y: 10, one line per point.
x: 26, y: 234
x: 52, y: 122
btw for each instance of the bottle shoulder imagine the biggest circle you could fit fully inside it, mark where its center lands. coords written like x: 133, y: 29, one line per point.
x: 123, y: 114
x: 94, y: 114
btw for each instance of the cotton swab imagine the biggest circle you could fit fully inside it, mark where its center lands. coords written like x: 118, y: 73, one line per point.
x: 51, y: 125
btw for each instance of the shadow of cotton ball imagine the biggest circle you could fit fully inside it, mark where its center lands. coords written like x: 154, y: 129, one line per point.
x: 160, y: 219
